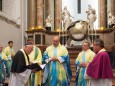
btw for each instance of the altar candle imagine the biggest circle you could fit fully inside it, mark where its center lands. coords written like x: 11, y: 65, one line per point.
x: 95, y: 32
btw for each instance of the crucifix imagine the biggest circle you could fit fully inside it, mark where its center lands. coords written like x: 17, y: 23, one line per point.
x: 79, y: 6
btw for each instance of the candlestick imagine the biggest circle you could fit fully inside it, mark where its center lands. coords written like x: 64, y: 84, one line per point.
x: 59, y: 34
x: 95, y: 32
x: 88, y: 30
x: 92, y: 35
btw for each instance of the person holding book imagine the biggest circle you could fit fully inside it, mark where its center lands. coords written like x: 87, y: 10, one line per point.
x: 19, y: 72
x: 35, y: 57
x: 57, y: 71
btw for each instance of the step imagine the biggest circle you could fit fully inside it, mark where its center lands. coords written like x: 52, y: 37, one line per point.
x: 73, y: 66
x: 75, y: 53
x: 73, y: 80
x: 113, y: 73
x: 73, y: 59
x: 113, y: 83
x: 73, y: 69
x: 6, y: 82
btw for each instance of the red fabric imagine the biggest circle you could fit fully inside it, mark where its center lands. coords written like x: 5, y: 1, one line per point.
x: 100, y: 67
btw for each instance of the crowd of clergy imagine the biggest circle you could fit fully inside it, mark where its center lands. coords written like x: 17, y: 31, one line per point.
x: 93, y: 67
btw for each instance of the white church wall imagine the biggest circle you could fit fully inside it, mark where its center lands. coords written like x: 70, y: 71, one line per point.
x: 10, y: 32
x: 11, y: 8
x: 13, y: 22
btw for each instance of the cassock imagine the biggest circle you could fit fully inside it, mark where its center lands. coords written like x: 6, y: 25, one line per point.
x: 19, y: 73
x: 57, y: 73
x: 100, y: 70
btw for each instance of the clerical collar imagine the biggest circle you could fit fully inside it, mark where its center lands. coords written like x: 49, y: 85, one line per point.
x: 87, y: 50
x: 102, y: 50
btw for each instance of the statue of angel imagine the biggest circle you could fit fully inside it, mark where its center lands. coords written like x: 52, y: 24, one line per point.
x: 91, y: 16
x: 48, y: 21
x: 66, y: 18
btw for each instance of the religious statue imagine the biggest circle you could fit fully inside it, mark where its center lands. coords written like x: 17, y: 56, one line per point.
x: 111, y: 19
x: 48, y: 21
x: 91, y: 16
x: 66, y: 18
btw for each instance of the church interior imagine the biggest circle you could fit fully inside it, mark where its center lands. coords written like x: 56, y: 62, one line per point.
x: 74, y: 21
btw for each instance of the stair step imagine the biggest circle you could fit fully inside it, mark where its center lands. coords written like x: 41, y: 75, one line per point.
x: 73, y: 66
x: 73, y: 80
x: 6, y: 82
x: 114, y: 74
x: 113, y: 83
x: 73, y: 69
x: 73, y: 59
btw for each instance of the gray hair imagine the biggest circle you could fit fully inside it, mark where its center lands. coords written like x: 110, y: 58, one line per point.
x: 87, y: 43
x: 99, y: 42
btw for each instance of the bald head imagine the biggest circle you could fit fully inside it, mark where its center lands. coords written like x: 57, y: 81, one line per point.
x: 56, y: 41
x: 56, y: 38
x: 28, y: 48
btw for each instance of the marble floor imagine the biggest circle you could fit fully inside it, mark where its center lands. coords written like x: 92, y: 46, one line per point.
x: 7, y: 80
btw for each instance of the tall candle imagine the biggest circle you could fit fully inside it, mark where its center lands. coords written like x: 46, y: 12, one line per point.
x: 92, y: 35
x: 95, y: 32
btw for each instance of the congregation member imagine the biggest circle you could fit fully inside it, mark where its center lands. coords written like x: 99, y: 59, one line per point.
x: 35, y: 57
x: 2, y: 70
x: 84, y: 57
x: 19, y: 72
x: 99, y: 70
x: 9, y: 51
x: 57, y: 71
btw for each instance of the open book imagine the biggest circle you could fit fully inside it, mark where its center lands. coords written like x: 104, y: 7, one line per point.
x: 36, y: 66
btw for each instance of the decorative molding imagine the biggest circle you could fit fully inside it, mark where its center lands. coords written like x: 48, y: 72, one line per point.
x: 5, y: 17
x: 56, y: 33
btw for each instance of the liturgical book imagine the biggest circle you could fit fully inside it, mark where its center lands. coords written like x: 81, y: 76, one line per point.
x: 36, y: 66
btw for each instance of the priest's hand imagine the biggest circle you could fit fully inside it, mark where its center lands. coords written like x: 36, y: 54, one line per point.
x: 83, y: 64
x: 34, y: 71
x: 86, y: 64
x: 30, y: 62
x: 54, y: 59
